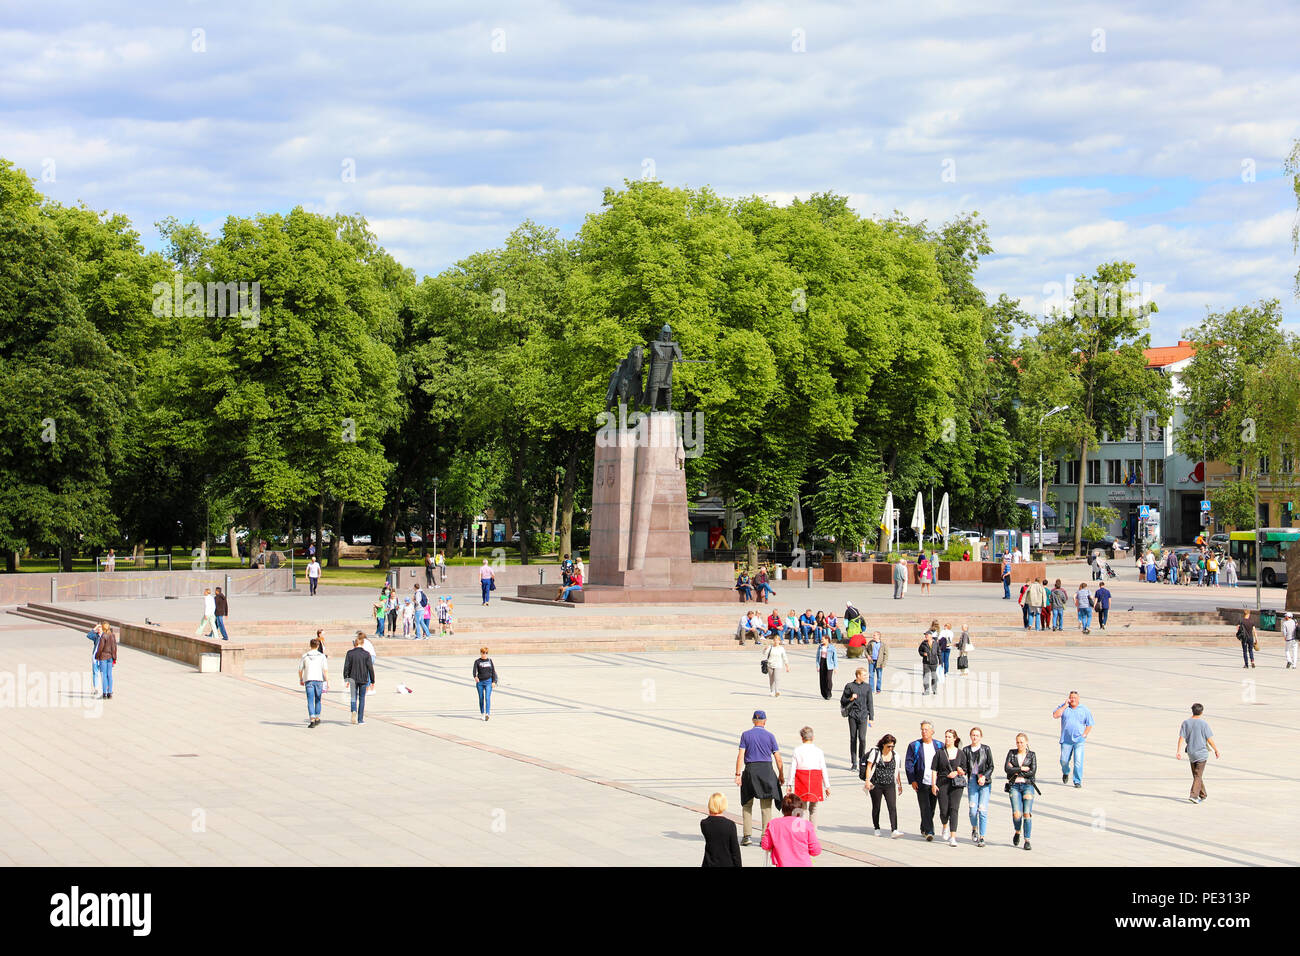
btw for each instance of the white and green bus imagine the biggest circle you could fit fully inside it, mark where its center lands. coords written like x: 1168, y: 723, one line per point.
x: 1273, y: 546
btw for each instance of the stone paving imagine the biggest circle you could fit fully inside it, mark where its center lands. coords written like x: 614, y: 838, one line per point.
x: 605, y: 759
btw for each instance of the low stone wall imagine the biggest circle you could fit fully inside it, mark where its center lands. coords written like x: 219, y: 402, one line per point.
x: 24, y: 588
x: 182, y: 647
x: 1020, y: 573
x: 849, y: 571
x: 963, y: 571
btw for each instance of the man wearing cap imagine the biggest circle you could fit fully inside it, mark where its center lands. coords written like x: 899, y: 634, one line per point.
x: 755, y: 776
x: 1290, y: 637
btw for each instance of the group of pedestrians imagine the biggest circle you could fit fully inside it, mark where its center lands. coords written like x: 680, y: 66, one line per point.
x: 754, y: 587
x: 935, y: 650
x: 1204, y: 567
x: 216, y: 608
x: 103, y: 657
x: 1042, y: 606
x: 810, y: 627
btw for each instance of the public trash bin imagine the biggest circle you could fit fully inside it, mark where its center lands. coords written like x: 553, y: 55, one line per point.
x: 1267, y: 621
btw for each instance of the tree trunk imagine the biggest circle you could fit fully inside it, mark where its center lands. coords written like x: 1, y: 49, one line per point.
x: 65, y: 556
x: 751, y: 554
x: 566, y: 501
x: 336, y: 539
x: 13, y: 562
x: 254, y: 533
x: 234, y: 543
x: 137, y: 554
x: 1293, y: 578
x: 390, y: 530
x: 1078, y: 507
x: 522, y: 523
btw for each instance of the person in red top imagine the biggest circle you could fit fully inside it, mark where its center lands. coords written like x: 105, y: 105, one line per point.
x: 774, y: 624
x: 791, y: 840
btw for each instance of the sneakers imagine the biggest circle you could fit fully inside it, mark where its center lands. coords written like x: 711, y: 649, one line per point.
x: 876, y: 832
x: 744, y: 841
x: 929, y: 838
x: 354, y: 716
x: 1026, y: 844
x: 1193, y: 799
x: 896, y: 834
x: 1065, y: 778
x: 979, y: 841
x: 1015, y: 840
x: 974, y: 834
x: 943, y: 837
x: 952, y: 841
x: 1078, y: 786
x: 487, y: 716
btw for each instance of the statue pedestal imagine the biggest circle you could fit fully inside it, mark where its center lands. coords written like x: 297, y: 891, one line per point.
x: 640, y: 533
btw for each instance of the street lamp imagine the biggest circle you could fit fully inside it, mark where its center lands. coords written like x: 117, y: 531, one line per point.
x: 1058, y: 408
x: 435, y: 516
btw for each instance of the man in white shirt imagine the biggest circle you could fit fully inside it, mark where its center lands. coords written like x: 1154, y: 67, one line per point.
x: 748, y: 628
x: 313, y: 574
x: 1292, y: 639
x: 920, y: 775
x: 313, y: 674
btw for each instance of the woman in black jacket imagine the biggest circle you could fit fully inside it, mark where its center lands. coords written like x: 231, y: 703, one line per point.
x: 1021, y: 768
x: 977, y: 760
x: 721, y: 848
x: 949, y: 783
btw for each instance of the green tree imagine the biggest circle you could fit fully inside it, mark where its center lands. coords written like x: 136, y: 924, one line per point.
x: 848, y: 500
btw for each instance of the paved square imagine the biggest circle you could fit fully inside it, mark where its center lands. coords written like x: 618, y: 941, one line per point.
x: 606, y: 759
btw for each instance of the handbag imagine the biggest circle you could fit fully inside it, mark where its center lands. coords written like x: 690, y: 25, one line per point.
x: 963, y: 662
x: 762, y: 665
x: 492, y: 584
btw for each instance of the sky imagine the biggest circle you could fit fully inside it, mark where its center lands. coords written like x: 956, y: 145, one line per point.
x: 1152, y: 133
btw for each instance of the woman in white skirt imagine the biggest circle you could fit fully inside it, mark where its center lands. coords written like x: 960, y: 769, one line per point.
x: 1230, y: 571
x: 777, y: 663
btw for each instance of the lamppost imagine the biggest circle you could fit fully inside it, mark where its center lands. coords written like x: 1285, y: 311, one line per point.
x: 1058, y: 408
x: 435, y: 516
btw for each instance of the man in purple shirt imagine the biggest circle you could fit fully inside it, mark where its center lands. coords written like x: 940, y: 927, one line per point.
x: 755, y: 776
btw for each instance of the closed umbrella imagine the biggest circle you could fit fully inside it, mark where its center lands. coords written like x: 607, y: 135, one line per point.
x: 942, y: 522
x: 887, y: 520
x: 918, y: 518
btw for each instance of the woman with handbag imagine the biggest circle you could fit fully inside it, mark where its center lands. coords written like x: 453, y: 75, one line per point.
x: 964, y: 647
x: 884, y: 781
x: 977, y: 759
x: 1021, y: 767
x: 774, y: 661
x: 949, y: 784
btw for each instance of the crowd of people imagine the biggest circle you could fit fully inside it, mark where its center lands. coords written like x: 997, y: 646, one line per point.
x: 1042, y: 605
x: 417, y: 614
x: 1203, y: 567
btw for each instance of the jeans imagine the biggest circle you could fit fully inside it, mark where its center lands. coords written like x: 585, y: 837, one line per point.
x: 1037, y: 614
x: 358, y: 699
x: 421, y: 624
x: 1022, y: 805
x: 379, y: 626
x: 1085, y: 618
x: 1024, y: 608
x: 1247, y: 652
x: 1058, y: 618
x: 1074, y: 750
x: 569, y: 590
x: 979, y: 805
x: 805, y: 633
x: 105, y: 671
x: 221, y: 626
x: 1173, y: 575
x: 486, y: 585
x: 946, y: 652
x: 789, y: 634
x: 1006, y: 587
x: 484, y: 696
x: 313, y: 582
x: 874, y: 672
x: 1102, y: 614
x: 315, y: 689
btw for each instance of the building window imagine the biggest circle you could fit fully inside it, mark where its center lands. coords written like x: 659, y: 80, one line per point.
x: 1114, y: 472
x: 1155, y: 471
x: 1094, y: 472
x: 1133, y: 473
x: 1071, y: 472
x: 1065, y: 516
x: 1263, y: 465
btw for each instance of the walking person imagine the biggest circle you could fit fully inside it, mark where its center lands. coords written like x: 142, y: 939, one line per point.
x: 313, y: 575
x: 900, y: 579
x: 428, y: 570
x: 919, y: 765
x: 1290, y: 639
x: 811, y: 780
x: 419, y: 603
x: 1035, y: 600
x: 877, y: 658
x: 1230, y: 571
x: 928, y: 650
x: 949, y: 784
x: 1058, y: 598
x: 380, y: 611
x: 1076, y: 725
x: 1246, y: 635
x: 313, y: 674
x: 1101, y: 601
x: 827, y: 659
x: 1195, y: 734
x: 1021, y: 769
x: 106, y: 658
x: 791, y: 839
x: 721, y: 848
x: 964, y: 646
x: 755, y: 776
x: 359, y: 674
x: 977, y: 759
x: 945, y: 646
x: 93, y: 636
x: 487, y: 581
x: 776, y: 661
x: 394, y: 611
x: 1006, y: 577
x: 485, y: 678
x: 924, y: 571
x: 883, y: 781
x: 858, y: 705
x: 207, y: 624
x: 1083, y: 604
x: 221, y: 611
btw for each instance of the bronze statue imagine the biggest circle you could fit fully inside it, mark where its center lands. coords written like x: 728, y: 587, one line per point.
x: 625, y: 383
x: 659, y: 383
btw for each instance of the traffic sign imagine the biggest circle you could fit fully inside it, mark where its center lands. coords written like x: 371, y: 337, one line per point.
x: 1144, y: 511
x: 1205, y: 504
x: 1033, y: 510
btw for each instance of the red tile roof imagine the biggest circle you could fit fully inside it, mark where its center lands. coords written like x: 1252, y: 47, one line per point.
x: 1163, y: 355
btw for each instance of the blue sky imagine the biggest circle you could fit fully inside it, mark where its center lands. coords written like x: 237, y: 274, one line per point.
x: 1097, y: 132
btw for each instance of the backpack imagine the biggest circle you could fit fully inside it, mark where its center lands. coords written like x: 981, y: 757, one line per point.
x: 424, y: 599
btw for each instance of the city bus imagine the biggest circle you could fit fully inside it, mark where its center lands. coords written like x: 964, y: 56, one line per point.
x: 1241, y: 545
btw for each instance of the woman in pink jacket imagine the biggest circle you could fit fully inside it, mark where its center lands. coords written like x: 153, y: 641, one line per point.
x: 791, y: 839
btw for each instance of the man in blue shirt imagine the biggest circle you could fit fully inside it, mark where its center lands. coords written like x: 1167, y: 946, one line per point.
x: 1103, y: 605
x: 1006, y: 577
x: 754, y: 774
x: 1076, y: 725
